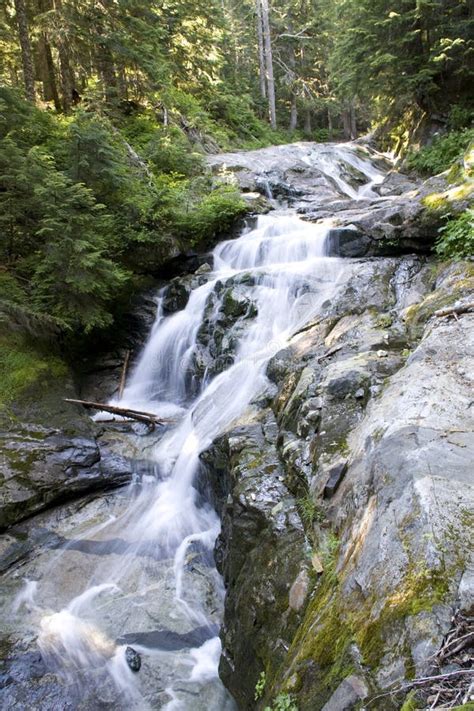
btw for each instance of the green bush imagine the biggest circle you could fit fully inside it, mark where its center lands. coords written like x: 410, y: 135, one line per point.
x: 22, y: 365
x: 457, y: 237
x: 440, y: 155
x: 283, y: 702
x: 215, y: 213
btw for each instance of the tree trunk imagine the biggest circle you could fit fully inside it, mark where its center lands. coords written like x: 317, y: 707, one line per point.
x: 269, y: 62
x: 346, y: 123
x: 293, y: 113
x: 48, y: 74
x: 330, y: 126
x: 261, y: 52
x: 106, y: 68
x: 67, y: 79
x: 105, y: 65
x: 294, y: 106
x: 353, y: 121
x: 307, y: 122
x: 26, y: 54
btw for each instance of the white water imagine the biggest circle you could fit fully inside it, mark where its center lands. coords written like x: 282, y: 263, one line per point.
x: 165, y: 518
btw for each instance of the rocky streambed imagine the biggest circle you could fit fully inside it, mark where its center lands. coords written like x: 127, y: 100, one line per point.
x: 323, y: 410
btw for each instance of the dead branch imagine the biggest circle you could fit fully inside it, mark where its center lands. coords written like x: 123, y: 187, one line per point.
x: 148, y: 417
x: 455, y: 310
x: 124, y: 374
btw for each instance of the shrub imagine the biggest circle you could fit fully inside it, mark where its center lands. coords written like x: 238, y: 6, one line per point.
x: 457, y: 236
x: 439, y: 156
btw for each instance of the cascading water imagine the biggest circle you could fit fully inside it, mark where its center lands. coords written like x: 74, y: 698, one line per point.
x: 148, y: 578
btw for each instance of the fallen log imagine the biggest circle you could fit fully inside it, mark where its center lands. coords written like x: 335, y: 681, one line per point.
x: 148, y: 417
x: 455, y: 310
x: 124, y: 374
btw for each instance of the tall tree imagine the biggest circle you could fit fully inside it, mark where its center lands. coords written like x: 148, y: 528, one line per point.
x: 26, y: 53
x: 267, y: 40
x: 261, y: 52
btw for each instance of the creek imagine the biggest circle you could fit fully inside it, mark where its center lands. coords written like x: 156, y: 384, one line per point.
x: 135, y: 570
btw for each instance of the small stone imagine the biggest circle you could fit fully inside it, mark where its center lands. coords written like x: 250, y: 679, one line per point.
x: 133, y: 659
x: 336, y: 475
x: 277, y: 508
x: 204, y: 269
x: 299, y: 591
x: 359, y: 394
x: 316, y: 563
x: 382, y: 354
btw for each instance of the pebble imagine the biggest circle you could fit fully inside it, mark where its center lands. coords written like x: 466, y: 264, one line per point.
x: 133, y: 659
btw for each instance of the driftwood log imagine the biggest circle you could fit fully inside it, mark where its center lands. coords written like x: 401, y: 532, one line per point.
x: 455, y: 310
x: 148, y: 418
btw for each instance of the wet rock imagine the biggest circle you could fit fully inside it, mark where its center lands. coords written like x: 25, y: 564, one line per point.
x: 41, y: 468
x: 203, y: 269
x: 260, y: 550
x: 133, y: 659
x: 348, y: 242
x: 236, y: 304
x: 176, y: 296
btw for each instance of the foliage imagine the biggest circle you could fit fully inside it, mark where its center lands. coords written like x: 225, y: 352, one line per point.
x: 77, y: 202
x: 283, y: 702
x: 310, y: 511
x: 214, y: 214
x: 441, y: 153
x: 260, y: 686
x: 22, y: 365
x: 457, y: 236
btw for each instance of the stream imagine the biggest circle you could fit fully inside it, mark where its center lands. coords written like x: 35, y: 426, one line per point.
x: 133, y: 579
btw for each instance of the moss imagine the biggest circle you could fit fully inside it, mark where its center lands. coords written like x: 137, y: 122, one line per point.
x: 420, y: 590
x: 335, y: 621
x: 20, y: 462
x: 23, y: 365
x: 410, y: 703
x: 384, y: 321
x: 458, y: 284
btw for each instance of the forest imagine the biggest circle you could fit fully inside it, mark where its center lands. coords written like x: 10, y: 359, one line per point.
x: 109, y: 108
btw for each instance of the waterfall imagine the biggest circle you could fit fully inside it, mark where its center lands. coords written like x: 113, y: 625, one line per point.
x: 281, y: 269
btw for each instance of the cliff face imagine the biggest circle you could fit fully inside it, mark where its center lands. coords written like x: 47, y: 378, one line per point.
x: 348, y: 497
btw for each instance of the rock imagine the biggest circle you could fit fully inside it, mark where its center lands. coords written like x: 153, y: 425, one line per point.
x: 133, y: 659
x: 347, y: 695
x: 466, y: 592
x: 261, y: 548
x: 395, y: 183
x: 299, y: 591
x: 203, y: 269
x: 359, y: 394
x: 347, y: 242
x: 336, y: 475
x: 257, y: 202
x: 344, y: 382
x: 236, y: 304
x: 41, y: 467
x: 176, y: 296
